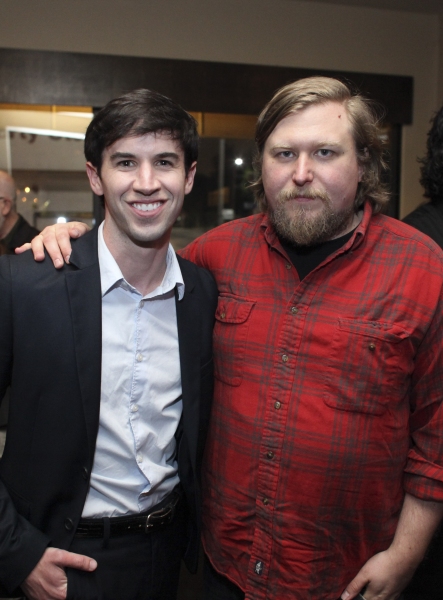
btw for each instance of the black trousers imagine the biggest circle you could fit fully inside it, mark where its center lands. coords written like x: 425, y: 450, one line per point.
x: 135, y: 566
x: 427, y: 583
x: 218, y: 587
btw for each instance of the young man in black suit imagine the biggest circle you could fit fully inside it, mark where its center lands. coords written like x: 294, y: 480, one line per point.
x: 110, y: 366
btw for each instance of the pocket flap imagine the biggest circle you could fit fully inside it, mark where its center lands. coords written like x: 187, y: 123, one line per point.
x: 376, y: 329
x: 233, y: 310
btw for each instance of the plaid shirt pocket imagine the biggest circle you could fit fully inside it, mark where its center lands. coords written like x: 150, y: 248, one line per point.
x: 230, y: 333
x: 368, y: 366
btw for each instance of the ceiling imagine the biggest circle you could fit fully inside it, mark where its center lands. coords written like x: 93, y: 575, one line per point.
x: 418, y: 6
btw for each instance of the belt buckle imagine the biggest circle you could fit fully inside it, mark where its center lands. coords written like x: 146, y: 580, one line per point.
x: 162, y: 516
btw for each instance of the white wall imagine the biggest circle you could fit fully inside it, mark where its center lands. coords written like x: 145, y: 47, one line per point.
x: 271, y: 32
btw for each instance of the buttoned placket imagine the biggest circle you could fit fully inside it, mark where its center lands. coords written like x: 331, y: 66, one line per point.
x: 278, y: 410
x: 139, y: 363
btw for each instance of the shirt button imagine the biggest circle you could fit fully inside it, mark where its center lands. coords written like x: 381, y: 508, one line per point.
x: 277, y: 405
x: 270, y: 454
x: 134, y: 408
x: 288, y: 266
x: 294, y: 310
x: 266, y: 501
x: 139, y: 357
x: 284, y: 357
x: 223, y: 315
x: 142, y: 303
x: 139, y: 458
x: 371, y: 347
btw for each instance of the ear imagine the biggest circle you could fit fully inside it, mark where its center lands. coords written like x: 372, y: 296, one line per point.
x: 6, y: 208
x: 190, y: 178
x: 94, y: 179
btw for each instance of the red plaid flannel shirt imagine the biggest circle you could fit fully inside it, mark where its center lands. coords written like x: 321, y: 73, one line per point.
x: 328, y: 403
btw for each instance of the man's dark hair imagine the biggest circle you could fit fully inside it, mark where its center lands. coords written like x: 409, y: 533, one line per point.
x: 138, y: 113
x: 432, y: 163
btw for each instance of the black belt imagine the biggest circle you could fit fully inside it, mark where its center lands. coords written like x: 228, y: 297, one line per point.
x: 160, y: 515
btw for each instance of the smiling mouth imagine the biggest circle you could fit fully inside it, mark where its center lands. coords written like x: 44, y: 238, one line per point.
x: 147, y: 207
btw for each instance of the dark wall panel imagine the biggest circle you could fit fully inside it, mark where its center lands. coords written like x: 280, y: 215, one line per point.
x: 40, y: 77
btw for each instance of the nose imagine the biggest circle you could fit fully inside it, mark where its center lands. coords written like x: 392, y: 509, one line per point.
x: 146, y: 181
x: 303, y: 170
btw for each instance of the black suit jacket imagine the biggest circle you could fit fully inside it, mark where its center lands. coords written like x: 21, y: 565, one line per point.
x: 50, y: 352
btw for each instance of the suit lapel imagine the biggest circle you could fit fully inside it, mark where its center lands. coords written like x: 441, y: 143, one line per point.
x: 84, y: 290
x: 188, y: 325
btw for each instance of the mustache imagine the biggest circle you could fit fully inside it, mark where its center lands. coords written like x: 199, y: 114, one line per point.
x: 297, y: 192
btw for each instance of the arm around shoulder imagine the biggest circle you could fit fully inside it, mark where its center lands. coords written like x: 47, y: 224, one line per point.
x: 56, y: 239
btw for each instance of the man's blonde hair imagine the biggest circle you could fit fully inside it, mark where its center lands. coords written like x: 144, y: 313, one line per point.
x: 365, y: 130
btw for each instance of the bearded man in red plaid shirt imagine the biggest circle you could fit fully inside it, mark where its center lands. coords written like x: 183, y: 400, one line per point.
x: 324, y: 467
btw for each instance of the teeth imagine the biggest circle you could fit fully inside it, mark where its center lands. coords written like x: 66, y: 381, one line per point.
x: 147, y: 207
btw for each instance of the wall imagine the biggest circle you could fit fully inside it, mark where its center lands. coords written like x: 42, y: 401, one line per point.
x: 440, y: 69
x: 271, y: 32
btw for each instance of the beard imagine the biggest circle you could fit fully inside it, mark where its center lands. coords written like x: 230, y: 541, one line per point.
x: 302, y: 226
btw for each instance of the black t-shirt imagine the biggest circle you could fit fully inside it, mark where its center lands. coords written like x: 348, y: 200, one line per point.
x: 20, y: 234
x: 306, y: 258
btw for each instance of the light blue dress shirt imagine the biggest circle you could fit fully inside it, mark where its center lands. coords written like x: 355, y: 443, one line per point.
x: 140, y: 407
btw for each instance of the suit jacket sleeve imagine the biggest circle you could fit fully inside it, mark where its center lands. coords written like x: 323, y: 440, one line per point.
x: 21, y: 544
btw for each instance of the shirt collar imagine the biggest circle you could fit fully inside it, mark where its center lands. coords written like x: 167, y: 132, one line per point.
x: 112, y: 277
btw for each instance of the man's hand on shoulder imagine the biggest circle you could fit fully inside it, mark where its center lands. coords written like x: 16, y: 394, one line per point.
x: 57, y: 241
x: 48, y: 580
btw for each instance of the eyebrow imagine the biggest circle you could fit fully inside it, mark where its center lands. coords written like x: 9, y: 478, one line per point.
x: 173, y: 155
x: 317, y: 144
x: 128, y: 155
x: 333, y: 144
x: 124, y: 155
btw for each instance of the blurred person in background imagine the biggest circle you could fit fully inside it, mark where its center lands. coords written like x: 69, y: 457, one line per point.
x: 427, y: 583
x: 428, y: 217
x: 14, y: 229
